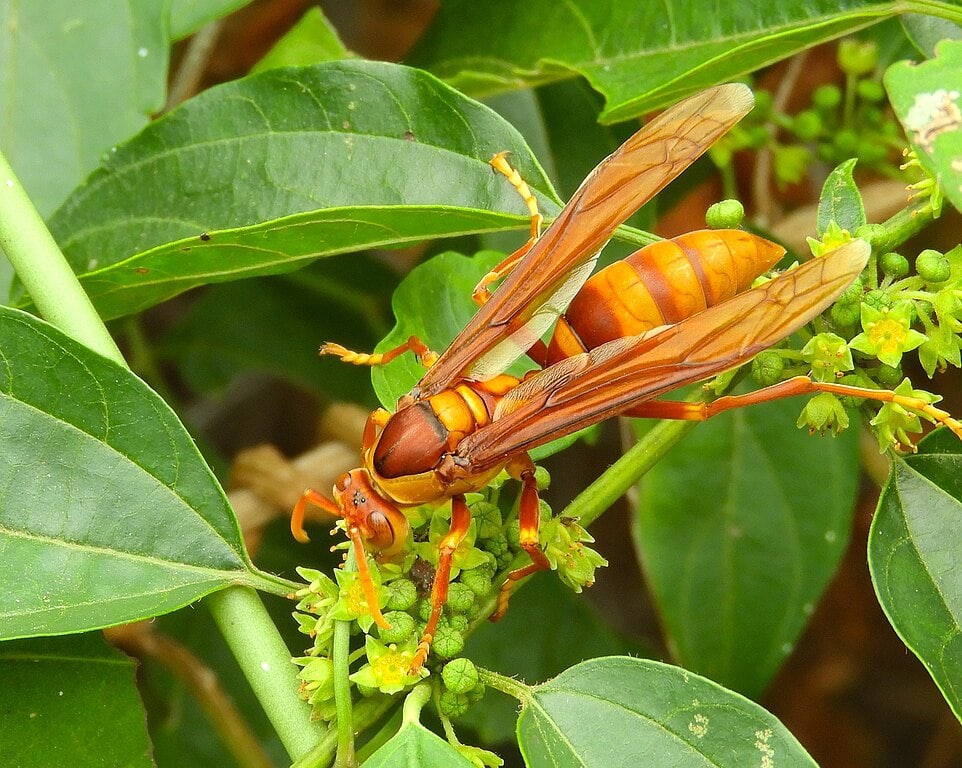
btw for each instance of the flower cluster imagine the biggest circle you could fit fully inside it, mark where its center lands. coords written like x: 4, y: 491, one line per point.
x: 381, y: 658
x: 899, y: 308
x: 841, y: 122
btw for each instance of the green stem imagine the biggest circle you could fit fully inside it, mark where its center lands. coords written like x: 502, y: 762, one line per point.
x: 627, y: 470
x: 906, y: 223
x: 44, y: 271
x: 366, y: 713
x: 341, y: 654
x: 506, y: 685
x: 266, y: 662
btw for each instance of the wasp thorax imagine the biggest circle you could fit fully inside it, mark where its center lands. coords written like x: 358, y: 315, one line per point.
x: 412, y: 442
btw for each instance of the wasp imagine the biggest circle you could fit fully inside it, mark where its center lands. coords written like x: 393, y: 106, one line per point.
x: 673, y: 313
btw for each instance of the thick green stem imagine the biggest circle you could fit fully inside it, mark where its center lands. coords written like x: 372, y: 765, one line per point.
x: 626, y: 471
x: 44, y: 271
x: 266, y: 662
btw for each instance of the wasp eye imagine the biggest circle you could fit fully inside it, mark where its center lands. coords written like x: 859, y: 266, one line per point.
x: 343, y: 482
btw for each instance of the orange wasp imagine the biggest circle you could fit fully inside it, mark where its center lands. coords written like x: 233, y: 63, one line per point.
x: 671, y: 314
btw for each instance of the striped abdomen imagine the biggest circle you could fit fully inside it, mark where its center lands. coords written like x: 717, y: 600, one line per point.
x: 661, y: 284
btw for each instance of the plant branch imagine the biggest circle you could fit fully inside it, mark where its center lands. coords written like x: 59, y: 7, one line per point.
x: 44, y: 271
x: 266, y: 663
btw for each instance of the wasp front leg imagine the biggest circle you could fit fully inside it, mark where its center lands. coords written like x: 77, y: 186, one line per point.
x: 500, y: 164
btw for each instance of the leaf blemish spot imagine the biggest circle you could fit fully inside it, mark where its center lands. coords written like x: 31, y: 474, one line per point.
x: 698, y: 726
x: 766, y: 750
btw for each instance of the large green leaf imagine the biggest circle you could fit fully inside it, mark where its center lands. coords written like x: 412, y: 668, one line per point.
x: 547, y: 629
x: 619, y: 712
x: 76, y: 79
x: 260, y: 175
x: 108, y: 513
x: 275, y: 324
x: 738, y: 559
x: 926, y: 99
x: 52, y: 686
x: 913, y: 554
x: 638, y: 55
x: 414, y: 746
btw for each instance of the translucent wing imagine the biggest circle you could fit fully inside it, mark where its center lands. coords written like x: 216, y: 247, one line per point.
x: 616, y: 376
x: 539, y: 287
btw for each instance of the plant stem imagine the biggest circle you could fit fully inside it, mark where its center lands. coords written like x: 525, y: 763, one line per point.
x: 506, y: 685
x: 902, y: 225
x: 341, y: 654
x: 588, y: 505
x: 44, y: 271
x: 266, y: 663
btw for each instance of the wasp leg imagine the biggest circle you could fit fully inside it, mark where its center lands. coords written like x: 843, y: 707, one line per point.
x: 500, y: 164
x: 798, y: 385
x: 529, y: 517
x: 460, y: 522
x: 426, y: 356
x: 309, y: 497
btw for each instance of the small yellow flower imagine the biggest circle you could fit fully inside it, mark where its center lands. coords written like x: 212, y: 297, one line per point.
x: 887, y: 333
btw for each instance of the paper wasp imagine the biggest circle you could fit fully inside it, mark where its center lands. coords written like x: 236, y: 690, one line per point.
x: 669, y: 315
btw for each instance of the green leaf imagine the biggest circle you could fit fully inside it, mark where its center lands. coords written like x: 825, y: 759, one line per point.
x: 639, y: 56
x: 276, y: 324
x: 433, y: 303
x: 547, y: 629
x: 310, y: 41
x: 619, y: 712
x: 187, y: 16
x: 926, y: 31
x: 105, y: 501
x: 841, y: 200
x: 51, y: 688
x: 738, y: 560
x: 926, y: 100
x: 913, y: 555
x: 414, y: 746
x: 76, y: 79
x: 294, y: 164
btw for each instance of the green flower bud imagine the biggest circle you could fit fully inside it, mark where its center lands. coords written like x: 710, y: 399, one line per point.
x: 402, y: 627
x: 846, y: 141
x: 453, y: 704
x: 461, y: 598
x: 894, y: 265
x: 932, y: 266
x: 856, y: 57
x: 767, y: 367
x: 726, y: 214
x: 478, y: 580
x: 460, y: 675
x: 448, y: 642
x: 807, y: 125
x: 827, y: 97
x: 870, y: 90
x: 401, y: 595
x: 888, y: 375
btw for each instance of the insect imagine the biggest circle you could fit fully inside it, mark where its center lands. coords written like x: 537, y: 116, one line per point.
x: 613, y: 351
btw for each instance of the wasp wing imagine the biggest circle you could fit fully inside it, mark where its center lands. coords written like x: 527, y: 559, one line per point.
x: 588, y: 388
x: 538, y: 289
